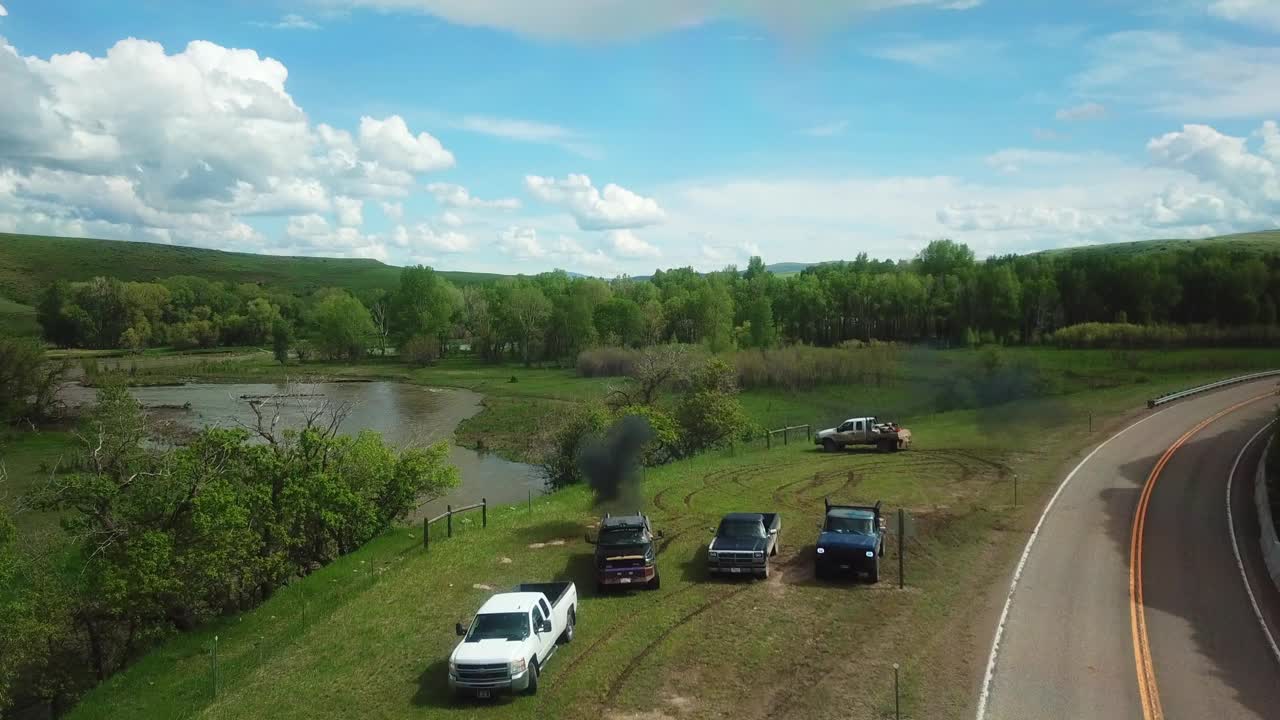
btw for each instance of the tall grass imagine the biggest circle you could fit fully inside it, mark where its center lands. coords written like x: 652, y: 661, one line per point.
x: 1129, y: 335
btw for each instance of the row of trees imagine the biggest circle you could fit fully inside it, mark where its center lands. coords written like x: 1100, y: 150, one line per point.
x: 943, y: 295
x: 162, y: 541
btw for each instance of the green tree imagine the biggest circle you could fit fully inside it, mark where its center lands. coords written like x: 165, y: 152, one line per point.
x: 56, y: 318
x: 709, y: 412
x: 424, y: 304
x: 281, y: 339
x: 342, y: 327
x: 527, y: 310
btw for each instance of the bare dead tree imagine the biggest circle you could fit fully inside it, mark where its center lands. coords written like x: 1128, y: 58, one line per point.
x: 318, y: 413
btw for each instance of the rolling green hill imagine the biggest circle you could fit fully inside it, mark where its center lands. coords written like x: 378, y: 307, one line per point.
x: 1262, y: 243
x: 28, y: 263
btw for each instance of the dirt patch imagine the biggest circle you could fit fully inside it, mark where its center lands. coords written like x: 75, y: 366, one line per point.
x: 647, y: 715
x: 558, y: 542
x: 482, y: 586
x: 505, y: 561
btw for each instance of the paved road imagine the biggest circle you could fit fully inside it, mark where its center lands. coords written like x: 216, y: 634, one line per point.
x: 1068, y: 645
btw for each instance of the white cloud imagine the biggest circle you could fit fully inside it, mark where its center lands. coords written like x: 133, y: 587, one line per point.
x: 1255, y: 13
x: 349, y: 211
x: 143, y: 144
x: 626, y: 244
x: 450, y: 219
x: 390, y: 142
x: 425, y: 237
x: 3, y: 12
x: 594, y: 20
x: 1013, y: 160
x: 521, y: 243
x: 827, y: 129
x: 1224, y: 161
x: 529, y: 131
x: 934, y: 54
x: 1086, y: 111
x: 614, y: 207
x: 313, y: 235
x: 292, y: 21
x: 457, y: 196
x: 393, y: 210
x: 1182, y: 77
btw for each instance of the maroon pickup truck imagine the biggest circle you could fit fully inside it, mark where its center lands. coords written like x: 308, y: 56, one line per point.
x: 625, y: 553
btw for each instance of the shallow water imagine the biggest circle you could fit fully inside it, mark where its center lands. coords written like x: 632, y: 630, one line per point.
x: 405, y: 415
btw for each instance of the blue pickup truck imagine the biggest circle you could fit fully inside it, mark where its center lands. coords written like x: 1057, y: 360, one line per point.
x: 851, y: 541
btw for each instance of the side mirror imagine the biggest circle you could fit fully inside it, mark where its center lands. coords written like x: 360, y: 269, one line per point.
x: 459, y: 629
x: 545, y: 627
x: 773, y: 531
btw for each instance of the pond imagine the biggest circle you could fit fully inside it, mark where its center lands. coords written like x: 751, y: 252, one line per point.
x: 406, y: 416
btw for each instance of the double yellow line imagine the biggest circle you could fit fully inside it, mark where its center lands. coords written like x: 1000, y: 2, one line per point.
x: 1148, y: 693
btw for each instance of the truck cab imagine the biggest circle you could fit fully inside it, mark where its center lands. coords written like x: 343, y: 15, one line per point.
x: 511, y: 638
x: 626, y: 555
x: 743, y: 544
x: 851, y: 541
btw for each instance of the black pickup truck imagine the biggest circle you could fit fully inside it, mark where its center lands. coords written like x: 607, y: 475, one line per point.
x: 851, y: 541
x: 625, y: 553
x: 744, y: 543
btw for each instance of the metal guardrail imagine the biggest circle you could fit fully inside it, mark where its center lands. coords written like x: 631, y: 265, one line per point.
x: 1158, y: 401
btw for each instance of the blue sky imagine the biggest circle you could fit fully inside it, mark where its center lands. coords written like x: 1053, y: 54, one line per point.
x: 605, y: 136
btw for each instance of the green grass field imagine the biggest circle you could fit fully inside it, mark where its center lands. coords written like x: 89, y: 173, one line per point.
x: 29, y: 263
x: 17, y: 320
x: 369, y: 635
x: 1262, y: 243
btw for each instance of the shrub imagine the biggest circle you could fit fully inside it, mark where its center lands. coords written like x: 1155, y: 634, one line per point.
x: 560, y: 463
x: 709, y: 412
x: 801, y: 367
x: 607, y: 362
x: 1129, y: 335
x: 421, y: 350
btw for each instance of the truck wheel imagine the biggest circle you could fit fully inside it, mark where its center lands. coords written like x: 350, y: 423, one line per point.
x: 886, y: 445
x: 566, y: 637
x: 765, y: 572
x: 601, y: 588
x: 533, y: 678
x: 874, y: 576
x: 656, y: 582
x: 828, y: 445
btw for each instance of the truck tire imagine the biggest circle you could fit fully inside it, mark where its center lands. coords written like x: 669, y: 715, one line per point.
x: 656, y: 582
x: 886, y: 445
x: 566, y: 637
x: 873, y: 577
x: 533, y: 678
x: 828, y: 445
x: 765, y: 572
x: 601, y: 588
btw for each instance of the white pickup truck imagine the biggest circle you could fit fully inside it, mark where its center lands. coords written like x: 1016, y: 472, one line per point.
x: 511, y: 639
x: 887, y: 436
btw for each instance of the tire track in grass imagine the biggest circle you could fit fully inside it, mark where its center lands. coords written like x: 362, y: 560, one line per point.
x: 616, y: 686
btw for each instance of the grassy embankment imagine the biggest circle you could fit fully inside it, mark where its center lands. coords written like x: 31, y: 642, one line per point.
x: 369, y: 635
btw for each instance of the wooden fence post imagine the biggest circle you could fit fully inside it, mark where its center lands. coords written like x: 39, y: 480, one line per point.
x: 449, y: 511
x: 484, y: 513
x: 426, y: 534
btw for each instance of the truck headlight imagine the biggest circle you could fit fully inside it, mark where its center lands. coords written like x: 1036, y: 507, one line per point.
x: 517, y: 666
x: 712, y: 554
x: 871, y: 553
x: 453, y: 668
x: 759, y: 555
x: 822, y: 551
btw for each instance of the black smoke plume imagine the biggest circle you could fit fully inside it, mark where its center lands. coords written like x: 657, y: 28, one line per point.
x: 612, y: 463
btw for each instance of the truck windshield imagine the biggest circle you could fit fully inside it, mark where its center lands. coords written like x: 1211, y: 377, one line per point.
x: 741, y: 529
x: 622, y: 536
x: 854, y: 526
x: 499, y: 626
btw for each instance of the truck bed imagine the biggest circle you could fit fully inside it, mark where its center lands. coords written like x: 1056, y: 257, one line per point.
x: 555, y: 591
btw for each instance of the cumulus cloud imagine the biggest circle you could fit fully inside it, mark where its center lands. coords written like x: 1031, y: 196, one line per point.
x: 625, y: 244
x: 593, y: 20
x: 614, y: 207
x: 1225, y: 161
x: 3, y: 12
x: 393, y: 210
x: 1086, y: 111
x: 313, y: 235
x: 457, y: 196
x: 521, y: 243
x: 425, y: 237
x: 145, y: 144
x: 349, y: 211
x: 450, y: 219
x: 390, y: 142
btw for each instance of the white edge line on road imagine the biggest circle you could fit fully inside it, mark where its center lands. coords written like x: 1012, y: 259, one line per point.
x: 1235, y: 548
x: 985, y: 695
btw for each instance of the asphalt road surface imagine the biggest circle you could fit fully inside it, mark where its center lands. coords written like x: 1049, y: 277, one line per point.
x: 1109, y: 621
